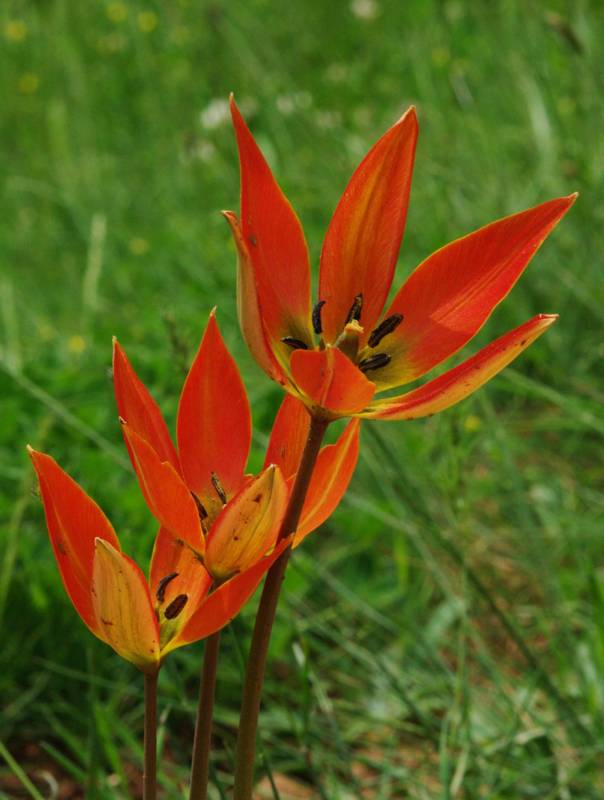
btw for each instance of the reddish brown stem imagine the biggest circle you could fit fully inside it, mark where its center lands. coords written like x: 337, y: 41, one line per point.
x: 150, y: 741
x: 200, y: 767
x: 256, y: 665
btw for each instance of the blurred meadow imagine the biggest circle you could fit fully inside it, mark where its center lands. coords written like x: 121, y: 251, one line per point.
x: 443, y: 636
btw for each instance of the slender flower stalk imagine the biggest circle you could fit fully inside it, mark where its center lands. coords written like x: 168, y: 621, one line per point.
x: 254, y: 678
x: 200, y: 765
x: 150, y: 740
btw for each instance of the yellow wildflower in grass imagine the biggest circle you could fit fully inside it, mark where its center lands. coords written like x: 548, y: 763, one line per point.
x: 15, y: 30
x: 472, y: 423
x: 28, y: 83
x: 147, y: 21
x: 76, y: 344
x: 138, y: 246
x: 117, y: 12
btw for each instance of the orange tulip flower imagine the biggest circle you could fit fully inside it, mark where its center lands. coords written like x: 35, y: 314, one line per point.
x: 201, y: 494
x: 336, y: 355
x: 141, y: 620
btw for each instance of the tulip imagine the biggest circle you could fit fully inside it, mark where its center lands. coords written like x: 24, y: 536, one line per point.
x: 142, y: 620
x: 337, y: 354
x: 201, y: 494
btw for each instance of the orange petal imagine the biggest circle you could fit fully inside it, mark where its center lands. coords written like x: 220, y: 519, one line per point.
x: 248, y: 309
x: 275, y: 243
x: 331, y: 381
x: 248, y: 526
x: 139, y: 409
x: 214, y: 425
x: 461, y: 381
x: 123, y: 607
x: 452, y: 293
x: 74, y: 521
x: 364, y: 236
x: 226, y: 602
x: 335, y: 466
x: 166, y: 494
x: 288, y: 436
x: 176, y: 570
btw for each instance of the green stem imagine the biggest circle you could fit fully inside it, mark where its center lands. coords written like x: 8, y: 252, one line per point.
x: 200, y: 767
x: 150, y: 742
x: 256, y: 665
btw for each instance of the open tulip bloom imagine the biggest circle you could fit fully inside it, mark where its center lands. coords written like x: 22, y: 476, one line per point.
x: 219, y: 527
x: 337, y: 354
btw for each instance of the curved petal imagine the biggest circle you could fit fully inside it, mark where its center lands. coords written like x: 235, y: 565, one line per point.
x: 248, y: 526
x: 139, y: 409
x: 275, y: 243
x: 175, y: 571
x: 123, y: 608
x: 331, y: 381
x: 74, y: 521
x: 248, y: 309
x: 288, y: 436
x: 214, y: 424
x: 226, y: 602
x: 453, y: 292
x: 463, y: 380
x: 165, y: 492
x: 364, y: 236
x: 335, y: 466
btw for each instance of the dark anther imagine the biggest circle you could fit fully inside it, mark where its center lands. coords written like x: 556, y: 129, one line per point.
x: 162, y: 586
x: 295, y: 344
x: 355, y: 309
x: 384, y: 328
x: 176, y: 606
x: 201, y: 510
x: 374, y: 362
x: 218, y: 488
x: 317, y: 325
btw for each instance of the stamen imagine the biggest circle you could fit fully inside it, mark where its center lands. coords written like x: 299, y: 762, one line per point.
x: 384, y: 328
x: 317, y: 325
x: 176, y: 606
x: 295, y: 344
x: 201, y: 509
x: 374, y: 362
x: 162, y: 586
x: 355, y: 309
x: 218, y: 489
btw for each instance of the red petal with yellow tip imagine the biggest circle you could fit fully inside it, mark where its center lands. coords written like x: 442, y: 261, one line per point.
x: 166, y: 494
x: 248, y: 526
x: 74, y: 521
x: 288, y: 436
x: 214, y: 424
x: 226, y: 602
x: 364, y: 236
x: 139, y: 409
x: 335, y: 466
x: 461, y: 381
x: 275, y: 243
x: 248, y: 309
x: 331, y: 381
x: 452, y: 293
x: 123, y: 607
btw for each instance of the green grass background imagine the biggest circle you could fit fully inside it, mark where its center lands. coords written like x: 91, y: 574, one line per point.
x: 443, y: 635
